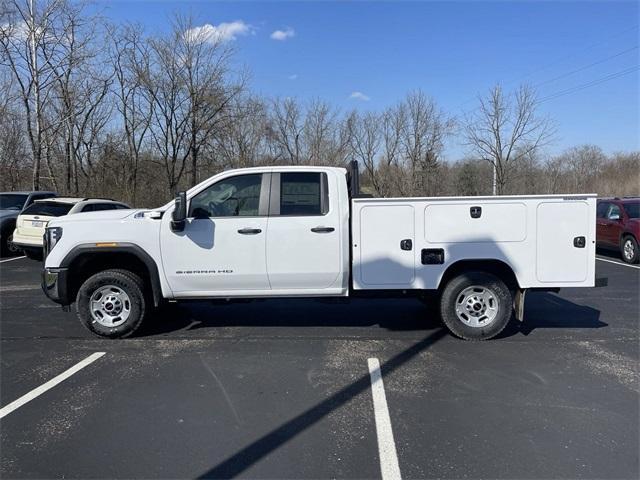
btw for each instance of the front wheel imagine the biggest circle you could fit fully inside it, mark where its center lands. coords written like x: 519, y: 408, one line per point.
x: 476, y: 305
x: 111, y: 303
x: 630, y: 252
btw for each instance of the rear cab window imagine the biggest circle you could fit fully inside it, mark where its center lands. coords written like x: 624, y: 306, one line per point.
x: 303, y: 194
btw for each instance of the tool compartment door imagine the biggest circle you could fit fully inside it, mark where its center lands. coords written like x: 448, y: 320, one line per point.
x: 559, y: 256
x: 385, y: 262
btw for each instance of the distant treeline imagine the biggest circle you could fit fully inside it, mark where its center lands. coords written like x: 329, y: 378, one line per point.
x: 93, y: 109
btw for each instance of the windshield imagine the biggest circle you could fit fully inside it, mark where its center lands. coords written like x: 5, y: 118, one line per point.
x: 632, y: 209
x: 12, y: 201
x: 48, y: 209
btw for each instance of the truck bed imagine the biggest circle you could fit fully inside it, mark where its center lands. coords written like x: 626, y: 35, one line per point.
x: 408, y: 243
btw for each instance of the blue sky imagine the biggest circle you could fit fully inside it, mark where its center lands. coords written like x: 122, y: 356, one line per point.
x: 450, y: 50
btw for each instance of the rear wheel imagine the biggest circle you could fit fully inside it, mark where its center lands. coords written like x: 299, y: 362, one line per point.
x: 476, y: 305
x: 112, y: 303
x: 629, y: 249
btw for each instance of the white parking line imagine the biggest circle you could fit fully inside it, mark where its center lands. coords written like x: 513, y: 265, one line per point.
x: 389, y: 466
x: 618, y: 263
x: 12, y: 259
x: 6, y: 410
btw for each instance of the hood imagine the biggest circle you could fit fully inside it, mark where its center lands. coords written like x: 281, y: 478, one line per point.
x: 9, y: 214
x: 94, y: 216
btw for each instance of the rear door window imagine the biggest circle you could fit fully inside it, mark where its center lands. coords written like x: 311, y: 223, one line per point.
x: 47, y: 209
x: 632, y: 209
x: 303, y: 194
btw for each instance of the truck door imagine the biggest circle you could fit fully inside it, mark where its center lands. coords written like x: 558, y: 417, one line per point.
x: 222, y: 247
x: 303, y: 236
x: 564, y: 241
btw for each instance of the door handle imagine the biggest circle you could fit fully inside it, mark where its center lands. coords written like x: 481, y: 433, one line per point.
x: 322, y: 229
x: 249, y: 231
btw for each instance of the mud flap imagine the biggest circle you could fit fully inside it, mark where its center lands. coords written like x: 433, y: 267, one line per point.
x: 518, y: 304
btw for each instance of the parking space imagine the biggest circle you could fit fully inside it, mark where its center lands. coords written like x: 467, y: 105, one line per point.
x: 283, y: 388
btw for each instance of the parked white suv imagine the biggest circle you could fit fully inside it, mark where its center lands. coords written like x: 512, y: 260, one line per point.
x: 32, y: 221
x: 306, y: 232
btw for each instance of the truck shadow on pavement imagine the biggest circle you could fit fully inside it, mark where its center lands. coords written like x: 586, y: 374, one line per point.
x: 548, y: 310
x: 263, y: 446
x: 542, y: 310
x: 390, y: 314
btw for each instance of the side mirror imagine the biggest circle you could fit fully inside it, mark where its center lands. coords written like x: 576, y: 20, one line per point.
x: 615, y: 216
x: 179, y: 216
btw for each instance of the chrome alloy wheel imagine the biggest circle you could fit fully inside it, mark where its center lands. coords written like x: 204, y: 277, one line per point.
x: 477, y: 306
x: 628, y: 250
x: 110, y: 306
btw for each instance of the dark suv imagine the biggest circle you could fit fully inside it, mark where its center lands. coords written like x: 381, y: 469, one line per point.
x: 11, y: 203
x: 618, y: 226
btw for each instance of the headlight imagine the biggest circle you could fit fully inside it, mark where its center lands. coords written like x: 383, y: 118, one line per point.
x: 52, y: 236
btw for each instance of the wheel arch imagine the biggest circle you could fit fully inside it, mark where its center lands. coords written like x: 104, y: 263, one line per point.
x: 499, y: 268
x: 85, y: 260
x: 7, y: 226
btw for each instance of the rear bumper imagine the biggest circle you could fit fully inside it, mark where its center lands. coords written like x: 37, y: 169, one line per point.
x: 27, y: 241
x: 54, y: 285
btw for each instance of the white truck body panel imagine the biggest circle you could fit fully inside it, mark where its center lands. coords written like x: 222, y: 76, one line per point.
x: 284, y: 259
x: 534, y: 235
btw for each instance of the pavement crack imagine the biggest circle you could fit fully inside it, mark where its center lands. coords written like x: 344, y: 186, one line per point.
x: 221, y: 386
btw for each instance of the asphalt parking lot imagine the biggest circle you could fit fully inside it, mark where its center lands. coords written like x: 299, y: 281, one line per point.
x: 283, y: 389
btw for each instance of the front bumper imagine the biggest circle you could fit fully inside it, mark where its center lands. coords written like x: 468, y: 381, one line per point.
x: 54, y: 285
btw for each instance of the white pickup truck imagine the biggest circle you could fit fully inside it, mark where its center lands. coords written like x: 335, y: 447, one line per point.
x: 306, y: 232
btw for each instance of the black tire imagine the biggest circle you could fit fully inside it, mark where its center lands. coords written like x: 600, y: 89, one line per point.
x: 8, y: 247
x: 629, y: 249
x: 452, y: 295
x: 124, y: 280
x: 34, y: 254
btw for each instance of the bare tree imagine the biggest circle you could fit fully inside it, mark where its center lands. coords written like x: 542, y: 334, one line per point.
x: 164, y: 88
x: 242, y: 140
x: 505, y: 129
x: 285, y: 131
x: 208, y: 82
x: 365, y: 143
x: 320, y: 134
x: 425, y: 127
x: 130, y: 59
x: 12, y: 142
x: 584, y: 164
x: 27, y: 32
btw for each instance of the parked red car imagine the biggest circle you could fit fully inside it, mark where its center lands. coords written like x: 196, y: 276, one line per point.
x: 618, y: 226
